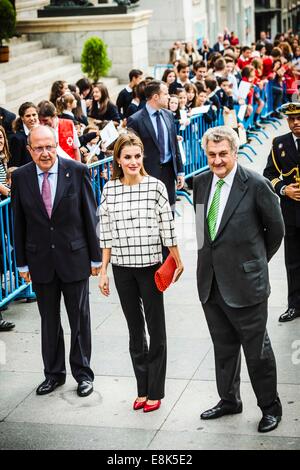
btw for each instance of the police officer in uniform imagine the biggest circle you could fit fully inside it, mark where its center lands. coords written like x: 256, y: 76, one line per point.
x: 283, y: 170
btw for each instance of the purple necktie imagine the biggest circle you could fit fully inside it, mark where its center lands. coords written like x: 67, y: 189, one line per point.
x: 46, y: 194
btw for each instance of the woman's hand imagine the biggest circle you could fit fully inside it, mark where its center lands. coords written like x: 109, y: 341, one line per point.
x: 104, y: 284
x: 179, y: 270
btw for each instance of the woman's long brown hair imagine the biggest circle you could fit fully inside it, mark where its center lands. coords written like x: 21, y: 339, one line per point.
x: 125, y: 140
x: 5, y: 148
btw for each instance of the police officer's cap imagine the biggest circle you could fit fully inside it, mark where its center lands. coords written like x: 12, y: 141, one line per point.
x: 290, y: 109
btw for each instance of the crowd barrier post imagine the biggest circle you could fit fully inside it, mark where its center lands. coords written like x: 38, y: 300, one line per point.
x: 13, y: 287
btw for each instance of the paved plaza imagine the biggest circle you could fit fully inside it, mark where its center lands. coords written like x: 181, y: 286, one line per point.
x: 105, y: 420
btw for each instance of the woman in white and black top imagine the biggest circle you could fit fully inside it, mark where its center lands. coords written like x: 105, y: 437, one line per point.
x: 4, y: 158
x: 135, y: 218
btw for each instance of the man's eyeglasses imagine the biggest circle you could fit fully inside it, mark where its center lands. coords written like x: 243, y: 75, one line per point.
x: 47, y: 148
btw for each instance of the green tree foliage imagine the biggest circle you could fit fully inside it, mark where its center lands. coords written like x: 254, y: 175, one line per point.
x: 7, y: 20
x: 94, y: 59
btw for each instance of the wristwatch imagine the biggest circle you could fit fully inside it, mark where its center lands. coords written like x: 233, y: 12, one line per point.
x: 282, y: 190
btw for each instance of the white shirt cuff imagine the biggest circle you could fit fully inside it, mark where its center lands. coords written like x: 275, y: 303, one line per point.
x: 95, y: 264
x: 23, y: 269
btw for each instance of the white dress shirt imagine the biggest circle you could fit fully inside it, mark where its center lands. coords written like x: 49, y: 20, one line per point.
x: 224, y: 195
x: 152, y: 113
x: 52, y: 178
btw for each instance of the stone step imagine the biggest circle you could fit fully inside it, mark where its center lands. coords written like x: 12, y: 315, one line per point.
x: 34, y: 97
x: 18, y: 63
x: 25, y: 85
x: 17, y: 40
x: 17, y: 50
x: 43, y: 65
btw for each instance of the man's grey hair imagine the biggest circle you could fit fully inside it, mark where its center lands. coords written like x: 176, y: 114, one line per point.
x: 217, y: 134
x: 40, y: 126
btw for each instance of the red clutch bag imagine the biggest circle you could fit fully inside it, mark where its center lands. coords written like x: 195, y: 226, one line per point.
x: 164, y: 275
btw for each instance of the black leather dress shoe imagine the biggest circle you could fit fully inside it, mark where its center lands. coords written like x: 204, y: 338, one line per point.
x: 85, y: 388
x: 221, y: 409
x: 6, y: 325
x: 48, y: 386
x: 268, y: 423
x: 289, y: 315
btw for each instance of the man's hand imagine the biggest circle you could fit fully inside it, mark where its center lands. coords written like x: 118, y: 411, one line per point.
x: 180, y: 182
x: 293, y: 191
x: 26, y: 276
x: 95, y: 271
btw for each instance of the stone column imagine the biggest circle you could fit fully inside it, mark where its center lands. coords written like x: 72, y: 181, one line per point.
x: 172, y: 20
x: 125, y: 35
x: 28, y: 8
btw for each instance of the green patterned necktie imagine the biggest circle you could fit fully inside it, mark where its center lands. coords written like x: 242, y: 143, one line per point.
x: 212, y: 215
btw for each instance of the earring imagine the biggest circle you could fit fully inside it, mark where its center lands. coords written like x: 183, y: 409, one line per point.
x: 119, y: 165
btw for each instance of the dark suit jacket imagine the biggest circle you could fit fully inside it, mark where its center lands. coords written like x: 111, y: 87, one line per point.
x: 206, y: 53
x: 66, y: 243
x: 141, y: 123
x: 111, y: 113
x: 174, y: 87
x: 216, y: 48
x: 249, y: 235
x: 6, y: 120
x: 18, y: 149
x: 286, y: 158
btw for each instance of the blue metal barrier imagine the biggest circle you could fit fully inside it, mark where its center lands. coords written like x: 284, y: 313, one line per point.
x: 12, y: 286
x: 192, y: 134
x: 100, y: 173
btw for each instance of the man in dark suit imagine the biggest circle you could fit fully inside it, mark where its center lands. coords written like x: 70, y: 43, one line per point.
x: 282, y: 170
x: 239, y: 229
x: 57, y: 248
x: 219, y: 46
x: 205, y: 51
x: 155, y: 126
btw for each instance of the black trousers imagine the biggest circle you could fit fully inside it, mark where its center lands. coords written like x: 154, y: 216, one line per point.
x: 231, y: 328
x: 140, y: 300
x: 167, y: 176
x: 76, y: 298
x: 292, y: 264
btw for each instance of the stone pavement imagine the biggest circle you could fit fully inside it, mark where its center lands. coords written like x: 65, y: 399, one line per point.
x: 105, y: 420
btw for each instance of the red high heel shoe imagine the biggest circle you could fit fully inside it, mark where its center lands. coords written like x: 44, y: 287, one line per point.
x: 153, y: 407
x: 137, y: 405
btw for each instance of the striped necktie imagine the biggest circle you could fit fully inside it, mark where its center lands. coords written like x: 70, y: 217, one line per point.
x: 212, y: 215
x: 46, y: 194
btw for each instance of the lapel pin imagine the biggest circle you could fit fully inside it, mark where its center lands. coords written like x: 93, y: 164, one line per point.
x: 280, y: 146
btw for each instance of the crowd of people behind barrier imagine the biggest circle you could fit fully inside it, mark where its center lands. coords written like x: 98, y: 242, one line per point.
x: 203, y: 80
